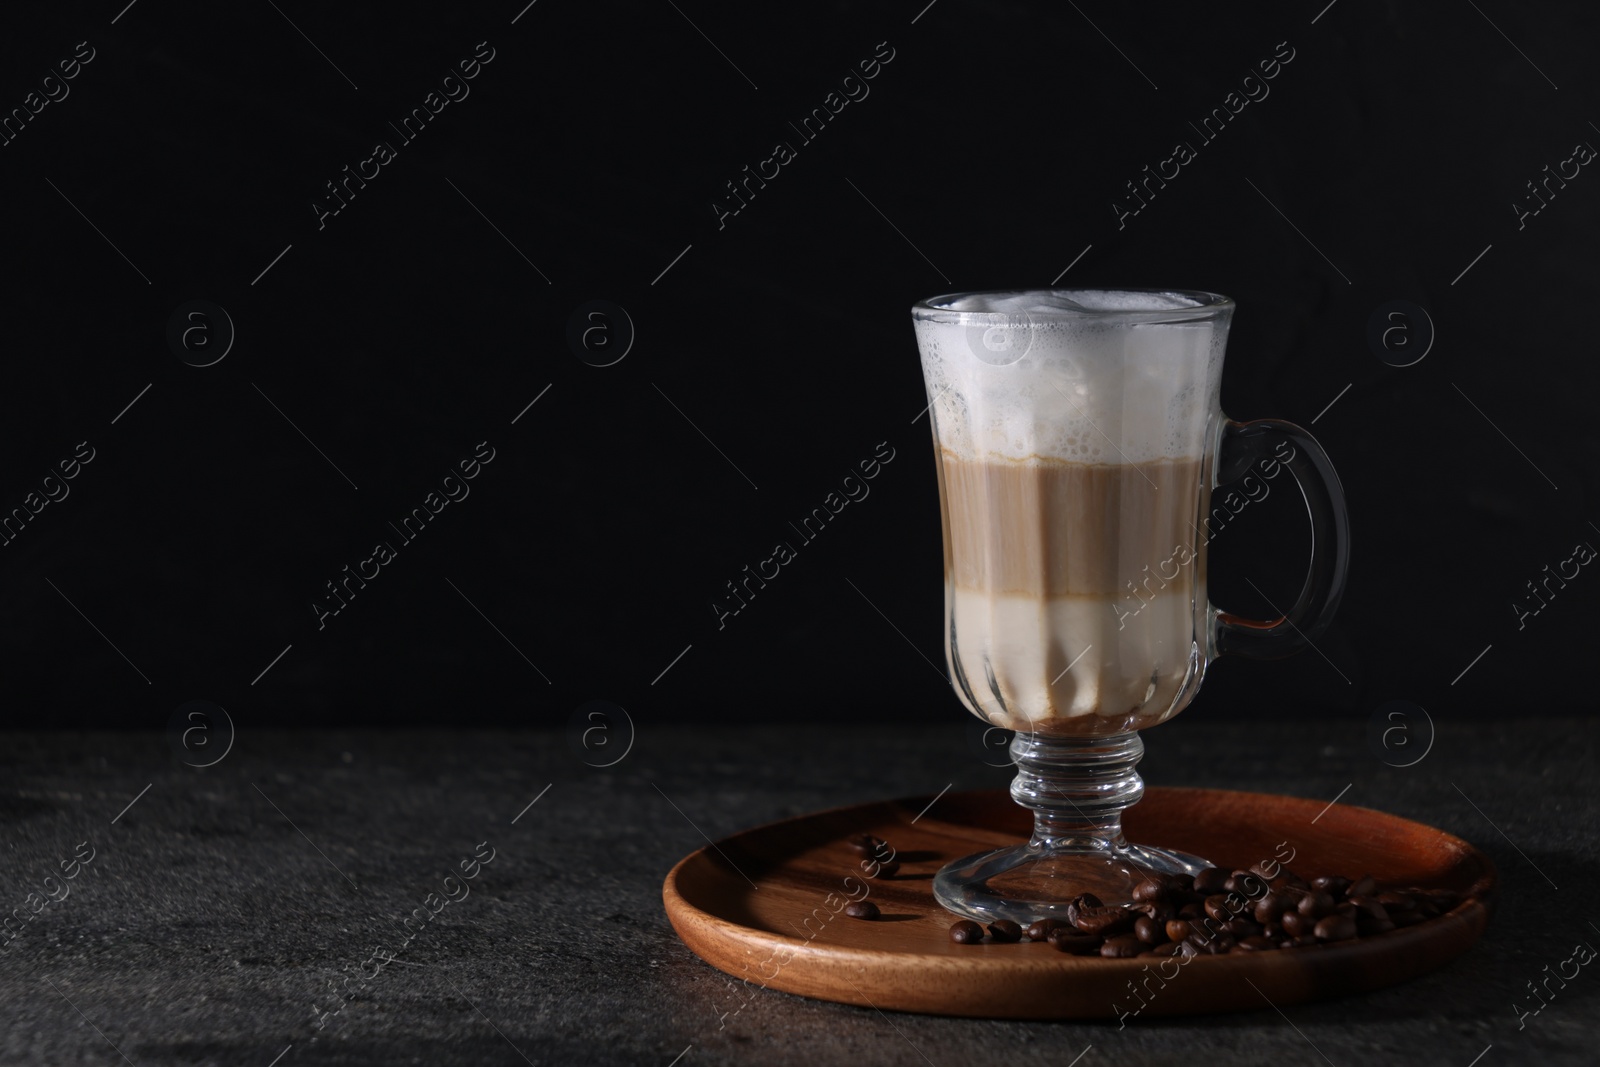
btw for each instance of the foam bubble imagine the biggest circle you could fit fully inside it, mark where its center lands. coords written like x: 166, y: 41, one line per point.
x: 1132, y: 386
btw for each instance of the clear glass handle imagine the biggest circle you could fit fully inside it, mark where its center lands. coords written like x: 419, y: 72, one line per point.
x: 1266, y: 442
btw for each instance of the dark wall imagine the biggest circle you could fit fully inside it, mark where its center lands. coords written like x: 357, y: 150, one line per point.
x: 772, y: 348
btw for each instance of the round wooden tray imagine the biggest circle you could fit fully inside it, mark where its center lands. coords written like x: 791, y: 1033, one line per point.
x: 765, y: 906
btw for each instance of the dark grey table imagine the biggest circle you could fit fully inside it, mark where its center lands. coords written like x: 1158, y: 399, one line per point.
x: 222, y: 909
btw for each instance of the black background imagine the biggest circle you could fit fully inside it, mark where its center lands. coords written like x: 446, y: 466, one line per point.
x: 988, y: 154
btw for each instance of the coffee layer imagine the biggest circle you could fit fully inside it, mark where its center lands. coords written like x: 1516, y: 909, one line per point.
x: 1072, y: 590
x: 1049, y: 528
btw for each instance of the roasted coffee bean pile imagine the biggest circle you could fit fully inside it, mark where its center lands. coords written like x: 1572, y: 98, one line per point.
x: 1217, y: 911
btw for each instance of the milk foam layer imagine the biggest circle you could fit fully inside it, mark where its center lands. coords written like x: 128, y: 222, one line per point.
x: 1102, y: 376
x: 1049, y: 301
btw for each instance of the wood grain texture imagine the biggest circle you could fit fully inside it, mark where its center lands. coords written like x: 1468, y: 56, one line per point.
x: 765, y: 907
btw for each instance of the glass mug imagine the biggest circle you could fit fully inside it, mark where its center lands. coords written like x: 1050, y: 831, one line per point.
x: 1079, y: 436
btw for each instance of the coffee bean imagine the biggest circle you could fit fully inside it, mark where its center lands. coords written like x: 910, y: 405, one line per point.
x: 1122, y: 947
x: 966, y: 932
x: 1368, y: 927
x: 1256, y: 944
x: 1220, y: 906
x: 1106, y: 921
x: 1177, y: 930
x: 1171, y: 948
x: 1245, y: 884
x: 1335, y: 928
x: 884, y: 870
x: 1315, y: 905
x: 1004, y: 931
x: 861, y: 909
x: 1209, y: 881
x: 1180, y: 884
x: 1194, y: 910
x: 1270, y: 907
x: 1396, y: 901
x: 1363, y: 887
x: 1040, y: 929
x: 1149, y: 890
x: 1158, y: 910
x: 1295, y: 924
x: 1149, y: 931
x: 1332, y: 884
x: 866, y: 844
x: 1369, y: 908
x: 1081, y: 903
x: 1074, y: 943
x: 1242, y: 928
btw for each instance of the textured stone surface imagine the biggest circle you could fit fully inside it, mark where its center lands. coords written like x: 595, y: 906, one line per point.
x: 220, y: 909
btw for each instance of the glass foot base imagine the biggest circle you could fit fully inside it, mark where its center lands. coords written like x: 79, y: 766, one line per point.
x: 1026, y: 882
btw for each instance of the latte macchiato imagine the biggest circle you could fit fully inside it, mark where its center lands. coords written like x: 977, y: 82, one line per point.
x: 1078, y: 434
x: 1072, y: 484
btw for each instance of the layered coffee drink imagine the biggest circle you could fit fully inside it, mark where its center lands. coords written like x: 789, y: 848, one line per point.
x: 1072, y: 485
x: 1078, y: 435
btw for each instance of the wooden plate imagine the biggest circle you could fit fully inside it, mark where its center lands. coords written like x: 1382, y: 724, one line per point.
x: 766, y: 906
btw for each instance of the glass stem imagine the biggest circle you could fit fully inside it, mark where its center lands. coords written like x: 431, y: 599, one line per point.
x: 1078, y: 788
